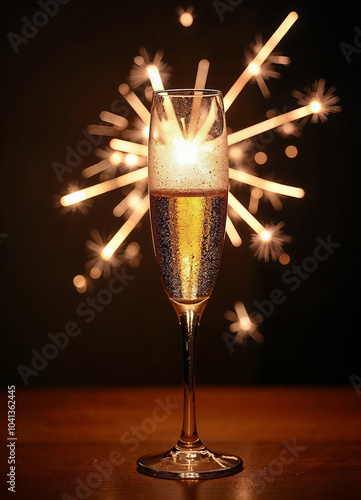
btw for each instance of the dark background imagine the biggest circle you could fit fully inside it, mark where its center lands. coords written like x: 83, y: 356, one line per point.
x: 60, y: 81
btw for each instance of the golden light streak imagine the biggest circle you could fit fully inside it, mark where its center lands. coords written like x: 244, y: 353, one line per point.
x: 202, y: 74
x: 245, y: 215
x: 236, y: 88
x: 102, y: 153
x: 203, y: 132
x: 95, y: 169
x: 271, y: 123
x: 118, y: 121
x: 127, y: 202
x: 200, y: 83
x: 232, y: 233
x: 104, y: 187
x: 135, y: 103
x: 126, y: 229
x: 277, y: 36
x: 154, y: 77
x: 256, y: 195
x: 266, y: 185
x: 157, y: 84
x: 262, y: 55
x: 129, y: 147
x: 281, y: 60
x: 275, y: 201
x: 263, y: 87
x: 102, y: 130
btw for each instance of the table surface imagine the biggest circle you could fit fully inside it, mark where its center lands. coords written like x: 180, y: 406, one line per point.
x: 78, y: 443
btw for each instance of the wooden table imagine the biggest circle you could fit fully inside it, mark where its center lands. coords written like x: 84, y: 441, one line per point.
x: 296, y: 443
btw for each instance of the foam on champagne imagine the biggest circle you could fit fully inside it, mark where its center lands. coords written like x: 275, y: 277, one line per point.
x: 188, y: 153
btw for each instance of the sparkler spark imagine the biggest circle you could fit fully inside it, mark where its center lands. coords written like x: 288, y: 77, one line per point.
x: 269, y: 243
x: 96, y: 265
x: 268, y: 240
x: 242, y: 324
x: 138, y: 73
x: 321, y: 103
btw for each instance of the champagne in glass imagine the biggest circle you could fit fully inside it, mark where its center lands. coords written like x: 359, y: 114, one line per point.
x: 188, y: 232
x: 188, y: 187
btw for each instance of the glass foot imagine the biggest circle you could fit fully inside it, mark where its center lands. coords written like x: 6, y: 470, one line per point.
x: 198, y: 463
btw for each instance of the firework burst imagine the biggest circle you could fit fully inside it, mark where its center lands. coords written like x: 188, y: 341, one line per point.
x: 126, y: 154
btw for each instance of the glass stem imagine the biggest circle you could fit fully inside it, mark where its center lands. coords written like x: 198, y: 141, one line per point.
x: 189, y: 321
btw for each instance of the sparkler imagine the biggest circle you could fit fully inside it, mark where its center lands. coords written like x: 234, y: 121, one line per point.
x: 268, y: 240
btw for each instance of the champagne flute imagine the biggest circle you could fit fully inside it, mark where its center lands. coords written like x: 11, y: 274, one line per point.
x: 188, y: 187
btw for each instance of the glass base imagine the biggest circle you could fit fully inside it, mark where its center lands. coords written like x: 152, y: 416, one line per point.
x: 198, y: 463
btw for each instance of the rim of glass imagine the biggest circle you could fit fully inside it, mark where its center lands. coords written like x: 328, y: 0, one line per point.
x: 187, y: 92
